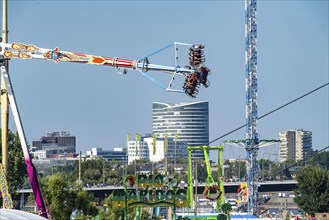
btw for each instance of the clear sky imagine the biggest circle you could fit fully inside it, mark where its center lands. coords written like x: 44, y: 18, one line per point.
x: 100, y: 107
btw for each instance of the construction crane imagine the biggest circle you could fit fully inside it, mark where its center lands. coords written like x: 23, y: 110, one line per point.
x: 195, y: 75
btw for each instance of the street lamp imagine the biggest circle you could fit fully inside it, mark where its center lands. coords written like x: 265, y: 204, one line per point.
x: 103, y: 171
x: 123, y: 169
x: 263, y: 168
x: 196, y: 188
x: 239, y: 168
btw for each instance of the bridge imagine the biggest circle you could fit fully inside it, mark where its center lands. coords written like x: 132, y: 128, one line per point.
x: 229, y: 187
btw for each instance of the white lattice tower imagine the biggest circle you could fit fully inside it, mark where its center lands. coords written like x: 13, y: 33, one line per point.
x: 252, y: 136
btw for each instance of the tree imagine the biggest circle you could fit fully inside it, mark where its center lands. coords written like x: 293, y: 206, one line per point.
x: 63, y: 200
x: 16, y: 172
x: 98, y: 170
x: 273, y: 168
x: 202, y: 171
x: 92, y: 176
x: 95, y: 171
x: 131, y: 168
x: 55, y: 191
x: 85, y: 201
x: 234, y: 169
x: 312, y: 190
x: 320, y: 159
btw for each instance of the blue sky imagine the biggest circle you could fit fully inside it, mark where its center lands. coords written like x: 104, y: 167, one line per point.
x: 100, y: 107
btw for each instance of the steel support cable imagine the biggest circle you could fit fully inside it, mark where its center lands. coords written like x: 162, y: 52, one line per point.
x: 297, y: 163
x: 274, y: 110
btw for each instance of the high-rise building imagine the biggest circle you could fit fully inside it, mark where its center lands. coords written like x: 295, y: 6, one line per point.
x: 56, y: 142
x: 295, y: 145
x: 190, y: 121
x: 143, y: 149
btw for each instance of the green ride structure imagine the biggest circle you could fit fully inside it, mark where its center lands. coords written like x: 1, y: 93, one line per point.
x: 222, y: 208
x: 149, y: 191
x: 161, y: 190
x: 210, y: 182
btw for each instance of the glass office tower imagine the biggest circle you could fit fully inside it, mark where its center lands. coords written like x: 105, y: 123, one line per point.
x: 190, y: 121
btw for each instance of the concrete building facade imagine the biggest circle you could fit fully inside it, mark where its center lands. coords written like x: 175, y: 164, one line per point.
x: 54, y: 144
x: 295, y: 145
x: 143, y: 149
x: 189, y: 121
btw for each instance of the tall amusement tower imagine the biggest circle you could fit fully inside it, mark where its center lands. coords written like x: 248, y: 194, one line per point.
x: 252, y: 136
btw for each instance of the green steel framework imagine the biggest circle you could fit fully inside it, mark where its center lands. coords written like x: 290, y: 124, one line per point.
x: 209, y: 180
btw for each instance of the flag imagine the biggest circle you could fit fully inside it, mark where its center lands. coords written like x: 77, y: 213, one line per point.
x: 176, y: 138
x: 166, y: 144
x: 128, y: 137
x: 154, y: 143
x: 137, y: 138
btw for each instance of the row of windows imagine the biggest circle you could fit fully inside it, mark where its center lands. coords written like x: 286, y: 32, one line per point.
x: 170, y: 143
x: 139, y: 143
x: 169, y: 154
x: 179, y: 110
x: 184, y: 112
x: 177, y: 126
x: 189, y: 140
x: 183, y: 130
x: 180, y: 132
x: 139, y: 155
x: 139, y: 148
x: 200, y: 124
x: 180, y: 117
x: 170, y: 148
x: 203, y: 126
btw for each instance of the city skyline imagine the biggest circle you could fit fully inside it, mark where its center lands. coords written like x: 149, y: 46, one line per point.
x: 100, y: 107
x: 271, y: 152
